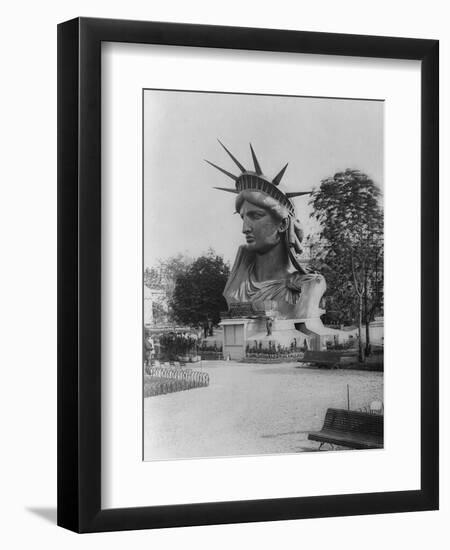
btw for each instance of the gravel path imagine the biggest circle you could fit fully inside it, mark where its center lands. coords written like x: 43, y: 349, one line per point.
x: 251, y: 409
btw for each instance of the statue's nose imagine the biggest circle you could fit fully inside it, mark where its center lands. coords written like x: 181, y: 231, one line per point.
x: 245, y: 227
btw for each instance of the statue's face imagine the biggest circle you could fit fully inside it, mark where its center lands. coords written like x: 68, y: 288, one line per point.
x: 261, y: 229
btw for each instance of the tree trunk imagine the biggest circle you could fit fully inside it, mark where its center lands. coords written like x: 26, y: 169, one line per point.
x: 360, y: 294
x: 366, y: 316
x: 361, y: 349
x: 368, y: 347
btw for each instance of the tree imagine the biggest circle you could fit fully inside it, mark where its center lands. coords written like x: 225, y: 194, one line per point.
x: 159, y: 313
x: 348, y: 209
x: 162, y: 277
x: 197, y: 296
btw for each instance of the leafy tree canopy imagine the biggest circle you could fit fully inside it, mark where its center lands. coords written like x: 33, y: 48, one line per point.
x: 198, y: 290
x: 347, y: 206
x: 162, y: 277
x: 350, y: 246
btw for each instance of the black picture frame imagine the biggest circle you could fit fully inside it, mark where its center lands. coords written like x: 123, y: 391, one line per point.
x: 79, y: 274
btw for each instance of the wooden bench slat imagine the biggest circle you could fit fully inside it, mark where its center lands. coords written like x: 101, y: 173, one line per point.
x: 354, y: 429
x: 346, y: 439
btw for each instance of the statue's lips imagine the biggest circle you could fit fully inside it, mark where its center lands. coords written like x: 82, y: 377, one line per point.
x: 250, y: 239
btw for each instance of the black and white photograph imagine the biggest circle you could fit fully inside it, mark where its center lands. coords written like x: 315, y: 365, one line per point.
x: 226, y: 249
x: 263, y: 280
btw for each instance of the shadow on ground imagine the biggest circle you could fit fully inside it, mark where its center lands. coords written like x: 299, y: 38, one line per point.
x: 48, y: 514
x: 285, y: 433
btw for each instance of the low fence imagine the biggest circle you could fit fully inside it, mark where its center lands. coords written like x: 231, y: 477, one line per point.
x: 162, y: 380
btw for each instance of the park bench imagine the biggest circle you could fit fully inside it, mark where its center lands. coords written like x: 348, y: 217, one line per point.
x: 354, y: 429
x: 330, y: 359
x: 326, y: 358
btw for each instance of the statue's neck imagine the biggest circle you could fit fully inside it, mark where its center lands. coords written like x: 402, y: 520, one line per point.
x: 273, y: 264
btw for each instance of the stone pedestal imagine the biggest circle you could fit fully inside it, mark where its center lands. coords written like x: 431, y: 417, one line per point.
x: 240, y: 333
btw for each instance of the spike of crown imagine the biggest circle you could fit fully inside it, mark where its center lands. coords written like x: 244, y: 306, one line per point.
x: 257, y: 181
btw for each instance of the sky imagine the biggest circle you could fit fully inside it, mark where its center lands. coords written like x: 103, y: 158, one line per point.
x: 318, y: 137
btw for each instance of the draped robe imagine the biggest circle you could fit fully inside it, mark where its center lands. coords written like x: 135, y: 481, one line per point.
x: 297, y: 296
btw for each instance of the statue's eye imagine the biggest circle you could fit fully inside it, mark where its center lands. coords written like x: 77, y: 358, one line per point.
x: 255, y: 215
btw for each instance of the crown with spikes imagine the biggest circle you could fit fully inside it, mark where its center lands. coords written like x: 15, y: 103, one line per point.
x: 257, y: 181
